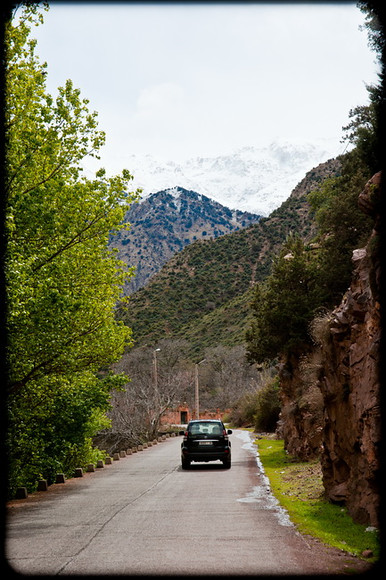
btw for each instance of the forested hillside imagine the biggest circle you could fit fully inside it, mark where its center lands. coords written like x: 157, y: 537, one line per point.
x: 167, y: 221
x: 200, y: 293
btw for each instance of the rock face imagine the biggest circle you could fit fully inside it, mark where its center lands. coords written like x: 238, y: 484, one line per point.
x: 350, y: 383
x: 301, y: 418
x: 331, y: 394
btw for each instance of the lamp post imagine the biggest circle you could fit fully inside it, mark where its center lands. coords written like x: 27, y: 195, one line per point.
x: 197, y: 399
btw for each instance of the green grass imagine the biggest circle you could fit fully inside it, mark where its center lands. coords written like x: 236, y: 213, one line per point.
x: 299, y: 489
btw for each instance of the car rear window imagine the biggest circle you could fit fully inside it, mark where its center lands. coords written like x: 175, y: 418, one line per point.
x: 205, y: 429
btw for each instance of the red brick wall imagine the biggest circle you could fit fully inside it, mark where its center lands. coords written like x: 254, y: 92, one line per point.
x: 184, y: 414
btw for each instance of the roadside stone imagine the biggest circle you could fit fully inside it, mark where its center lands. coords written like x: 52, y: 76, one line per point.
x: 78, y: 472
x: 42, y: 485
x: 21, y: 493
x: 60, y: 478
x: 122, y: 453
x: 90, y: 467
x: 100, y: 463
x: 108, y: 461
x: 116, y: 456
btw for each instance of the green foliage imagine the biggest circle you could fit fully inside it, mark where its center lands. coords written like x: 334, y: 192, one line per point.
x: 306, y: 278
x: 208, y: 329
x: 362, y: 131
x: 374, y: 26
x: 218, y: 272
x: 62, y: 282
x: 368, y: 136
x: 267, y: 407
x: 299, y: 489
x: 242, y: 413
x: 259, y: 408
x: 284, y: 304
x: 342, y: 226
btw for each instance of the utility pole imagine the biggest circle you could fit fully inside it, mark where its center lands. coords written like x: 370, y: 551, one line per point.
x: 197, y: 397
x: 155, y: 373
x: 155, y: 421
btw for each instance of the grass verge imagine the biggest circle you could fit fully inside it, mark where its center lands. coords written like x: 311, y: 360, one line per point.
x: 299, y: 489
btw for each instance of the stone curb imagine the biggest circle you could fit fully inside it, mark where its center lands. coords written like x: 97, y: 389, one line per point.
x: 42, y: 485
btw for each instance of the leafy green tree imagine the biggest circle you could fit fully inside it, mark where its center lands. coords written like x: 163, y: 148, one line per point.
x: 342, y: 227
x: 366, y: 128
x: 374, y: 25
x: 283, y: 305
x: 62, y: 282
x: 363, y: 131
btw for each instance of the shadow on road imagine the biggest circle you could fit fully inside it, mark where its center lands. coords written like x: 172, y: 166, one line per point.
x: 204, y: 467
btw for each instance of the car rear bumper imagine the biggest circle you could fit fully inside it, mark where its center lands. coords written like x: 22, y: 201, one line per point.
x: 206, y: 455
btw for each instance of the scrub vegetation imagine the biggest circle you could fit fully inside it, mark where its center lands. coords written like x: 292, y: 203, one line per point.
x: 298, y: 487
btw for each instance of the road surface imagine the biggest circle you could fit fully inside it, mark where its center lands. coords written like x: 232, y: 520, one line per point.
x: 145, y: 515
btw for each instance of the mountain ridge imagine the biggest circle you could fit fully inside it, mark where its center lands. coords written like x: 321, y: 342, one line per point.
x: 251, y: 178
x: 207, y: 275
x: 167, y: 221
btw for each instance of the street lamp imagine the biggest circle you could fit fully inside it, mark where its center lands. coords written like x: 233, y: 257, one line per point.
x: 196, y: 390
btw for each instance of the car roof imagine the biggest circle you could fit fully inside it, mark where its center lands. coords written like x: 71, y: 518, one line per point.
x: 205, y: 421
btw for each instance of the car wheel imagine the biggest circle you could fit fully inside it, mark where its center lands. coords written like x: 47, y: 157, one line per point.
x: 185, y: 463
x: 227, y: 464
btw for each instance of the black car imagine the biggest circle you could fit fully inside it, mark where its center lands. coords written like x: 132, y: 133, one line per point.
x: 205, y: 440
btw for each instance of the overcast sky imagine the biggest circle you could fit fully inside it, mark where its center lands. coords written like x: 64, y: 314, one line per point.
x: 181, y: 80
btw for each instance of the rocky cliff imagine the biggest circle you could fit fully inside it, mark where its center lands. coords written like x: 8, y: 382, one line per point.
x: 350, y: 382
x: 301, y: 417
x: 331, y: 393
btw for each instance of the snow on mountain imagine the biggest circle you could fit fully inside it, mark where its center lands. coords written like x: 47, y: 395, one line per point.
x: 253, y: 179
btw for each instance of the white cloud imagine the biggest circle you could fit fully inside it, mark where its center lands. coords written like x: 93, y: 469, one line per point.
x: 183, y: 79
x: 164, y: 100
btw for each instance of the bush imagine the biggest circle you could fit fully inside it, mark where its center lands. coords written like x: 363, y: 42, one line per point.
x: 243, y: 412
x: 259, y: 409
x: 267, y: 407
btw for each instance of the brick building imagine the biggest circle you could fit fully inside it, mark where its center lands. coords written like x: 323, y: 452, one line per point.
x: 183, y: 414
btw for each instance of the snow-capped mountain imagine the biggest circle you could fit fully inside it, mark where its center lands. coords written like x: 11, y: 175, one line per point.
x: 167, y: 221
x: 253, y: 179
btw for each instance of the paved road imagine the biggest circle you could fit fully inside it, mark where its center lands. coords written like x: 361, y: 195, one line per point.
x: 145, y: 515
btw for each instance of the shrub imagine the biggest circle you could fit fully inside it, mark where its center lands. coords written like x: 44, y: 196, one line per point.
x: 267, y: 406
x: 243, y: 412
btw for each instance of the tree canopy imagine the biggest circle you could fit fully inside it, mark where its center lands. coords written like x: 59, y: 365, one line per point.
x: 62, y: 284
x: 284, y: 303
